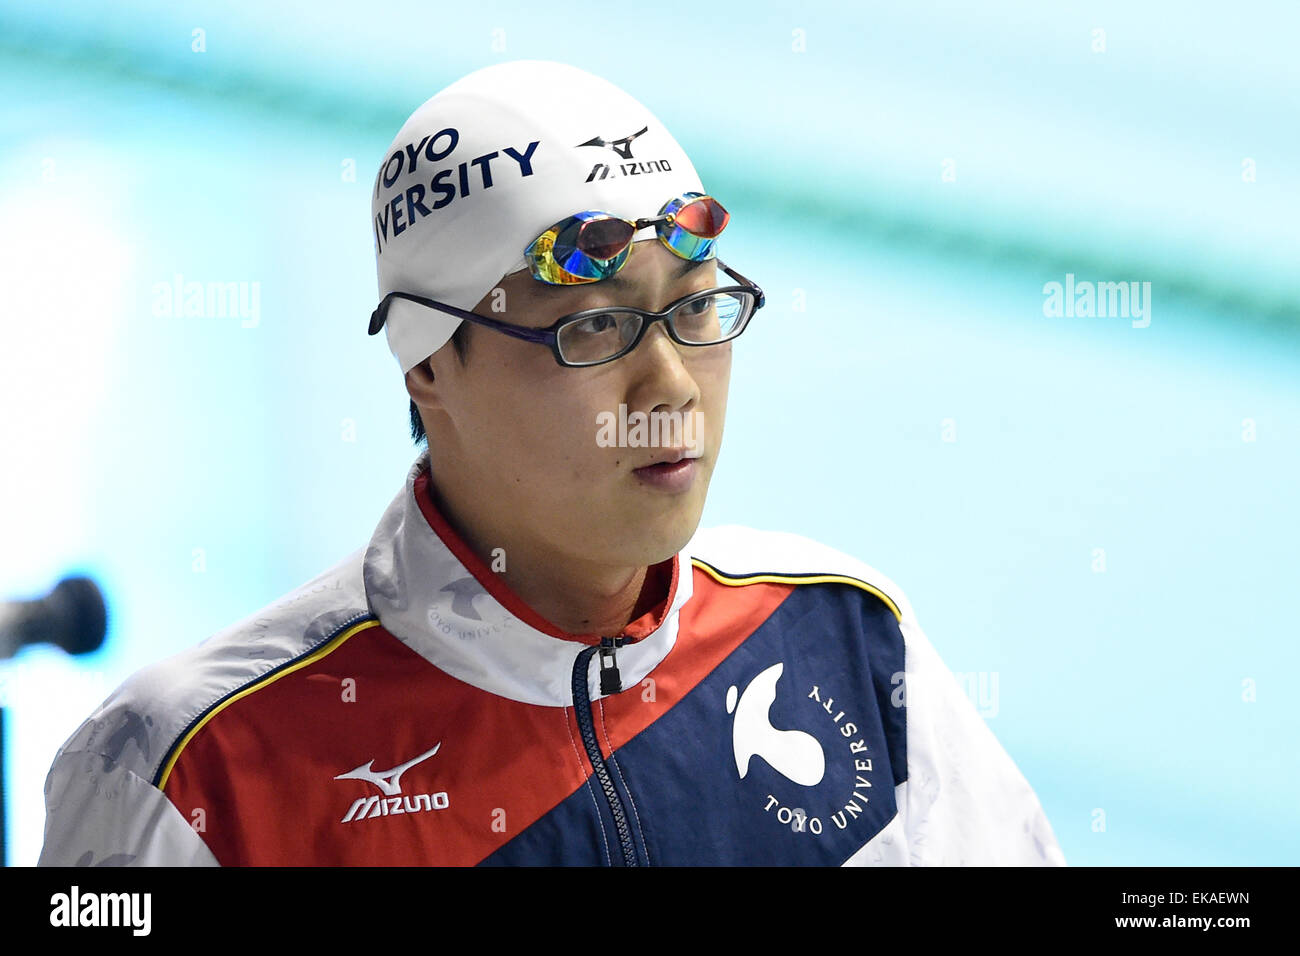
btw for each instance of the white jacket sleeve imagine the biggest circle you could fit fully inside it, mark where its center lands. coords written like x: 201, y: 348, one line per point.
x: 965, y: 802
x: 100, y: 813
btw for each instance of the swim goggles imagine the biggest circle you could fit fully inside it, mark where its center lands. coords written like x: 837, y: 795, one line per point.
x: 590, y: 246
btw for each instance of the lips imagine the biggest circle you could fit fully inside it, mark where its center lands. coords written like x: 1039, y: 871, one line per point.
x: 675, y: 475
x: 669, y: 456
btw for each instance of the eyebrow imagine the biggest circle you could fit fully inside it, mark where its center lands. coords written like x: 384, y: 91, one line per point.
x: 683, y: 267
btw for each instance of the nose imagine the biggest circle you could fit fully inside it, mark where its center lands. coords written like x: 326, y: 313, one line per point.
x: 660, y: 371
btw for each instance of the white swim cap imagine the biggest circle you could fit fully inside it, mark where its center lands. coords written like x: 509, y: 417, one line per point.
x: 486, y: 165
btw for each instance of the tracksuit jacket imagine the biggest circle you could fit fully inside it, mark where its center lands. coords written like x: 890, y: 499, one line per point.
x: 780, y: 706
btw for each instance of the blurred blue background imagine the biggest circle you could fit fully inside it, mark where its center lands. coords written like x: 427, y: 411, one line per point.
x: 1094, y: 517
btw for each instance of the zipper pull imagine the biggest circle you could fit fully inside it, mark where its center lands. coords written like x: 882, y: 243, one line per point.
x: 610, y: 681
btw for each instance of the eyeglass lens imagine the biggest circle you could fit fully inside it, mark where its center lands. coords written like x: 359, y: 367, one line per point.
x: 701, y: 321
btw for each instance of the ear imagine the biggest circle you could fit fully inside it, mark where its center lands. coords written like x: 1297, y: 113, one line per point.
x: 421, y: 385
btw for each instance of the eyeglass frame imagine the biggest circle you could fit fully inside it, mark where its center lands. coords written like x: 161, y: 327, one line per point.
x: 549, y: 336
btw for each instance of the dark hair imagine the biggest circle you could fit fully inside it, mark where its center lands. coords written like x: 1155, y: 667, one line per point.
x: 460, y: 342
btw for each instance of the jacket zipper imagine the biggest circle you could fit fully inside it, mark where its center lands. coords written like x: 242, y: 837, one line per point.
x: 610, y: 683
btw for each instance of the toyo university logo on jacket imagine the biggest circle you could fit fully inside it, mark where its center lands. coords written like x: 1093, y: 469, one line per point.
x: 798, y: 755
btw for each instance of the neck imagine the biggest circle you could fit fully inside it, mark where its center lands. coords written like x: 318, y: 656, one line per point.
x: 574, y: 595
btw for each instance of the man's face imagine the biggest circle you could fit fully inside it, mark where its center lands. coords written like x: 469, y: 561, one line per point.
x: 517, y: 448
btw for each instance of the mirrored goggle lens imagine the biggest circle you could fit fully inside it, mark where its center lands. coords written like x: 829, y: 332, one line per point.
x: 592, y: 246
x: 696, y: 225
x: 604, y: 238
x: 704, y: 218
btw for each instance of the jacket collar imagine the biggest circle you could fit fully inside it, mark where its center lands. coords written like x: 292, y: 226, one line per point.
x: 431, y: 592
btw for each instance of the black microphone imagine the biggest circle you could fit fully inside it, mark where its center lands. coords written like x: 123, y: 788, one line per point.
x: 72, y: 616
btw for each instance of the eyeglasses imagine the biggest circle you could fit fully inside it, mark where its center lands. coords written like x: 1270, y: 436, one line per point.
x: 599, y: 335
x: 590, y: 246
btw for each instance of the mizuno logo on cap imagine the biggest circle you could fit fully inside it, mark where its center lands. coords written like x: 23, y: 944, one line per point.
x: 621, y: 146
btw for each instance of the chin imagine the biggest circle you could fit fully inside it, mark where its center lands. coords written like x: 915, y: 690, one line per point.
x: 677, y: 530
